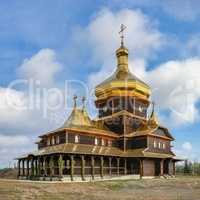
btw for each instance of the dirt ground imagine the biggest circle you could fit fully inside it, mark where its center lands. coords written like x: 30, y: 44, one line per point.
x: 181, y: 188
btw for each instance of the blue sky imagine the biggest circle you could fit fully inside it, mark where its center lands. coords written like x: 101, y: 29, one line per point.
x: 53, y: 41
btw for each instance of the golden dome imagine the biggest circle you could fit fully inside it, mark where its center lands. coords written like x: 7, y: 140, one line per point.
x: 122, y: 82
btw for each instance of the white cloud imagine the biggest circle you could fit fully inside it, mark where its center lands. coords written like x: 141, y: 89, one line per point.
x: 186, y: 10
x: 43, y: 67
x: 175, y: 87
x: 18, y: 140
x: 187, y: 146
x: 142, y: 36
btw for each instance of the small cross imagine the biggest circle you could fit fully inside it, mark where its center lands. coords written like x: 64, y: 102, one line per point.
x: 121, y: 32
x: 75, y: 98
x: 83, y: 101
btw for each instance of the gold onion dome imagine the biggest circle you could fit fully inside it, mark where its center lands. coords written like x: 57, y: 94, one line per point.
x: 122, y: 82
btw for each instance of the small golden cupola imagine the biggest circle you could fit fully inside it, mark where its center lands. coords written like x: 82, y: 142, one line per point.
x: 78, y: 117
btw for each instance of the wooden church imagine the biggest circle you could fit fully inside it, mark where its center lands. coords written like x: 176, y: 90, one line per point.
x: 124, y: 140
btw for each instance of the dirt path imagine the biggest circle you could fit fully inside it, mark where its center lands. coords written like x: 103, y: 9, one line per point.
x: 156, y: 189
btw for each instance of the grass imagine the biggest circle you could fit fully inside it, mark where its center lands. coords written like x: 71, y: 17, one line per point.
x: 180, y: 188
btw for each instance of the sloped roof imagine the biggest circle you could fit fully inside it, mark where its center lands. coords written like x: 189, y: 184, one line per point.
x: 78, y: 117
x: 96, y: 150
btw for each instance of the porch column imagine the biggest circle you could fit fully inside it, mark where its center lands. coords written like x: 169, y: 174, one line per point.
x: 27, y: 168
x: 92, y: 165
x: 162, y: 167
x: 39, y: 166
x: 36, y: 167
x: 141, y: 168
x: 125, y: 166
x: 60, y: 165
x: 32, y: 167
x: 170, y: 167
x: 174, y: 168
x: 118, y: 160
x: 101, y: 166
x: 19, y: 168
x: 110, y: 166
x: 83, y: 167
x: 51, y: 166
x: 44, y: 166
x: 23, y: 168
x: 72, y: 167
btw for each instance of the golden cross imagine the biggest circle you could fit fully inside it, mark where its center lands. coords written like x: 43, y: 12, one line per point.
x: 121, y: 32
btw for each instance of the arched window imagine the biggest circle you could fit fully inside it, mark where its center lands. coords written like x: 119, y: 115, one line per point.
x: 76, y: 138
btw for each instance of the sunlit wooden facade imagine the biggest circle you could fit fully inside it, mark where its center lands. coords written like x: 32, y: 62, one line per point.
x: 123, y: 140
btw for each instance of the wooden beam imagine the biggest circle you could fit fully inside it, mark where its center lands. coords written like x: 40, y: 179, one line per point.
x: 162, y: 167
x: 60, y: 165
x: 101, y: 166
x: 23, y: 167
x: 83, y: 167
x: 27, y: 168
x: 72, y: 167
x: 125, y: 166
x: 141, y: 168
x: 118, y: 160
x: 110, y: 166
x: 92, y: 165
x: 19, y: 168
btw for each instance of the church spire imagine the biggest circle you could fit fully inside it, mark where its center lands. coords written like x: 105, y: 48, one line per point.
x: 122, y: 55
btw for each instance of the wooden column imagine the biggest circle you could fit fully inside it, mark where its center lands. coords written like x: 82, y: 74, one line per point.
x: 141, y: 168
x: 32, y: 167
x: 162, y: 167
x: 101, y: 166
x: 125, y: 166
x: 118, y: 160
x: 44, y: 166
x: 83, y: 167
x: 19, y: 168
x: 72, y: 167
x: 92, y: 165
x: 39, y: 166
x: 23, y: 167
x: 51, y: 166
x: 27, y: 168
x: 60, y: 164
x: 110, y: 166
x: 174, y: 168
x: 36, y: 167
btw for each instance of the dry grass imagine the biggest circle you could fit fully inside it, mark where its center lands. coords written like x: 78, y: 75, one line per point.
x: 182, y: 188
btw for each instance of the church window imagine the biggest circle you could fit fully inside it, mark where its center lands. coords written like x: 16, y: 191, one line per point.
x: 76, y: 139
x: 53, y: 140
x: 96, y: 141
x: 48, y: 141
x: 164, y: 146
x: 109, y: 143
x: 57, y: 139
x: 102, y: 142
x: 154, y: 144
x: 159, y: 145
